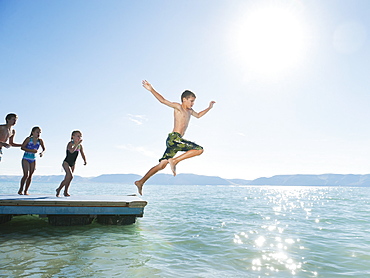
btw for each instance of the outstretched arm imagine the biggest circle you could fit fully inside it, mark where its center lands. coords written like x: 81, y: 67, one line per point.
x: 158, y: 96
x: 202, y: 113
x: 11, y: 140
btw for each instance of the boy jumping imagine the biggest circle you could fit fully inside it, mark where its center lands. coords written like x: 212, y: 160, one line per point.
x: 175, y: 142
x: 7, y: 132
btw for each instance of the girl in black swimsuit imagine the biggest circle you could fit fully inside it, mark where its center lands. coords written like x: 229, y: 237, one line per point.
x: 73, y: 148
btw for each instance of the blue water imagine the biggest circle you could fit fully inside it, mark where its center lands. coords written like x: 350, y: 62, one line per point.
x: 200, y: 231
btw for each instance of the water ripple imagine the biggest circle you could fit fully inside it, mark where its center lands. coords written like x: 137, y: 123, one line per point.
x: 204, y: 231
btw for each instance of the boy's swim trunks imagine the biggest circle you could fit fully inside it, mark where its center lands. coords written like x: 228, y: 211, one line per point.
x: 176, y: 143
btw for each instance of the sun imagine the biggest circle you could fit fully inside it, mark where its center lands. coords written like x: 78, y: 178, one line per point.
x: 270, y: 40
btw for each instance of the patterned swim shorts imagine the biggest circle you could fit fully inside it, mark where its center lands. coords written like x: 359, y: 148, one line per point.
x: 176, y: 143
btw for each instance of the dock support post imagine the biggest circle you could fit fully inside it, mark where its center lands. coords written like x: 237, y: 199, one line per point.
x: 70, y: 220
x: 116, y: 219
x: 5, y: 218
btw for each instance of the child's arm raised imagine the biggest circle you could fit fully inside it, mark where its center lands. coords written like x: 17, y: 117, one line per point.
x: 73, y: 146
x: 202, y: 113
x: 158, y: 96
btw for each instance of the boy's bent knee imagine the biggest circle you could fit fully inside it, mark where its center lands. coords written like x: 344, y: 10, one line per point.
x: 163, y: 164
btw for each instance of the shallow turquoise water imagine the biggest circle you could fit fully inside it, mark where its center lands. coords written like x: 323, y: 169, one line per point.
x: 200, y: 231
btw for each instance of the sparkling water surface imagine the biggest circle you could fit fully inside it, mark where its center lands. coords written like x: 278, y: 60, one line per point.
x: 200, y: 231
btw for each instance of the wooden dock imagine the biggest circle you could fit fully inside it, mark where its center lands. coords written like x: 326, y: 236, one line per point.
x: 74, y: 210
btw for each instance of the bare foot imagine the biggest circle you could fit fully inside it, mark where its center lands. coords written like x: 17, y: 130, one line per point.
x: 58, y: 192
x: 26, y: 193
x: 173, y: 166
x: 139, y: 187
x: 66, y: 194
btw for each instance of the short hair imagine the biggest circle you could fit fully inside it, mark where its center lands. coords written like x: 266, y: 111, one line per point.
x: 9, y: 116
x: 186, y: 94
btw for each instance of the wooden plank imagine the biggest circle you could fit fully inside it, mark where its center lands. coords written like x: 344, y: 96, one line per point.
x: 78, y: 200
x: 94, y: 205
x: 42, y: 210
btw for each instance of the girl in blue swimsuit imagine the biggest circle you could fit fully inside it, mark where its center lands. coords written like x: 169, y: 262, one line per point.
x: 74, y: 147
x: 30, y: 146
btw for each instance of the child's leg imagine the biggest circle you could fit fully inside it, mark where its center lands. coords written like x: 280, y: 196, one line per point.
x: 68, y: 182
x: 173, y: 161
x: 60, y: 187
x: 67, y: 179
x: 149, y: 174
x: 26, y: 169
x: 29, y: 179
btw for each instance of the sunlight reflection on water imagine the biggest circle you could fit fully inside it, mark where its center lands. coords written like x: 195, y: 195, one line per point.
x: 275, y: 250
x: 204, y: 231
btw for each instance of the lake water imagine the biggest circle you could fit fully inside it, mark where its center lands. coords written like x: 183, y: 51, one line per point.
x: 200, y: 231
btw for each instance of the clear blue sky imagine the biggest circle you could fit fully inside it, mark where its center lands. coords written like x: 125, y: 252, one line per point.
x: 290, y: 78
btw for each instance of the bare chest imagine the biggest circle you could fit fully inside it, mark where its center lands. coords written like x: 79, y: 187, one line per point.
x: 5, y: 133
x: 182, y: 115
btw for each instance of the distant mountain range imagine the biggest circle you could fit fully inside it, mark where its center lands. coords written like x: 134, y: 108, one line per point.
x: 191, y: 179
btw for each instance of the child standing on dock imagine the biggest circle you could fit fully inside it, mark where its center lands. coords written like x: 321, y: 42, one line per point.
x: 73, y: 148
x: 30, y: 146
x: 7, y: 132
x: 175, y: 142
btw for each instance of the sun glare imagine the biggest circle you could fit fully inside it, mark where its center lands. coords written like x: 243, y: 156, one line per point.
x: 270, y: 40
